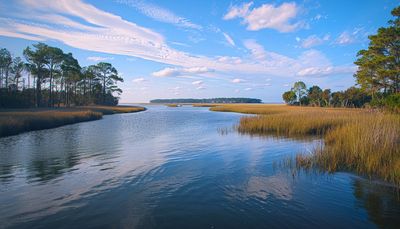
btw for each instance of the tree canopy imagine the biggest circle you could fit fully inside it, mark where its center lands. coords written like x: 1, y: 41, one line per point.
x: 58, y: 79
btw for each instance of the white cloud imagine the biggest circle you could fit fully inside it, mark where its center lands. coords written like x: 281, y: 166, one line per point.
x: 201, y: 87
x: 139, y: 80
x: 229, y: 39
x: 314, y: 40
x: 248, y: 89
x: 345, y: 38
x: 165, y: 72
x: 298, y: 39
x: 238, y: 80
x: 99, y: 58
x: 323, y: 71
x: 179, y: 71
x: 160, y: 14
x: 198, y: 82
x: 266, y: 16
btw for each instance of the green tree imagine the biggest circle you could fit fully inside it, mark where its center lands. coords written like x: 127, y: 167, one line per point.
x: 299, y: 88
x: 379, y: 65
x: 17, y: 67
x: 54, y: 58
x: 108, y: 77
x: 5, y: 64
x: 315, y: 95
x: 326, y: 97
x: 289, y: 97
x: 36, y: 58
x: 71, y: 74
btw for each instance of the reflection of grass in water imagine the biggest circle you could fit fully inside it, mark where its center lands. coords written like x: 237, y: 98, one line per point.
x: 18, y: 121
x: 172, y: 105
x: 360, y: 140
x: 204, y: 105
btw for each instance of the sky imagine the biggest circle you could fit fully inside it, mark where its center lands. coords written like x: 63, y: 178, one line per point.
x: 203, y: 49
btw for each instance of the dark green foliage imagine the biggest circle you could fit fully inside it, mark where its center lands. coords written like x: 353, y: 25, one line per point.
x: 58, y: 79
x: 213, y: 100
x: 352, y: 97
x: 289, y: 97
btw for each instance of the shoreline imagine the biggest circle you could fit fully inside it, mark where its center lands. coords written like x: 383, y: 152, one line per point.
x: 17, y: 121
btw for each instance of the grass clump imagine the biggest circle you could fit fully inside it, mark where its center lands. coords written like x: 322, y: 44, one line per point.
x: 172, y: 105
x: 360, y: 140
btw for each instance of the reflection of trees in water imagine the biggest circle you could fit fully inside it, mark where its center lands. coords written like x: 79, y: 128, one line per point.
x: 382, y: 203
x: 51, y: 160
x: 50, y: 168
x: 6, y: 173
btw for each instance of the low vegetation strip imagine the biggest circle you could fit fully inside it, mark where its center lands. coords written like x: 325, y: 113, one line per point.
x: 105, y: 110
x: 12, y: 123
x: 17, y: 121
x: 359, y: 140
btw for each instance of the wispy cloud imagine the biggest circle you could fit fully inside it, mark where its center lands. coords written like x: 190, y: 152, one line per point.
x: 99, y: 58
x: 345, y: 38
x: 229, y: 39
x: 160, y: 14
x: 267, y: 16
x: 238, y: 81
x: 198, y: 82
x: 180, y: 71
x: 314, y: 40
x: 139, y: 80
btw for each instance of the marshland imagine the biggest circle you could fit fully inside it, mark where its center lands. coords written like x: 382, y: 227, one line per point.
x: 199, y: 114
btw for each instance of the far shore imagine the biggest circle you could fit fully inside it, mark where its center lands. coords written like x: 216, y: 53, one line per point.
x: 16, y: 121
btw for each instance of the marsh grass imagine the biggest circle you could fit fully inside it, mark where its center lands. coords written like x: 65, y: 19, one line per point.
x: 172, y: 105
x: 12, y: 123
x: 17, y: 121
x: 106, y: 110
x: 363, y: 141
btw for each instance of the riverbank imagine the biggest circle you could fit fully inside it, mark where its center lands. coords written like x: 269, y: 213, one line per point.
x: 359, y: 140
x: 16, y: 121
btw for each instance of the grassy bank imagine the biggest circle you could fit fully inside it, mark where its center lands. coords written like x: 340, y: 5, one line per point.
x: 17, y: 121
x: 358, y: 140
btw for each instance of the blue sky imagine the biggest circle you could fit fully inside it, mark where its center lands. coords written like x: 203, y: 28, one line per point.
x: 203, y: 49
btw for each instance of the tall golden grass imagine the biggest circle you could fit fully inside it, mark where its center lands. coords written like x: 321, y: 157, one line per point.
x: 360, y: 140
x: 17, y: 121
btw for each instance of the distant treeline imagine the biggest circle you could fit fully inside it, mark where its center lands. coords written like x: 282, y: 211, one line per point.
x: 213, y: 100
x: 48, y: 77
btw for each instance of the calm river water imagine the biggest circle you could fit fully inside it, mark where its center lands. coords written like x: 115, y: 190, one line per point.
x: 175, y: 168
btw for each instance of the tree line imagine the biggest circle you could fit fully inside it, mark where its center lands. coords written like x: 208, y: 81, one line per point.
x: 213, y: 100
x: 48, y: 77
x: 377, y: 77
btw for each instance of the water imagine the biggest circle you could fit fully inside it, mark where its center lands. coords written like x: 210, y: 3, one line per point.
x: 175, y: 168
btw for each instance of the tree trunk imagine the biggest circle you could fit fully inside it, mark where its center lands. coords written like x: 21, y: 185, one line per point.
x: 51, y: 87
x: 38, y: 91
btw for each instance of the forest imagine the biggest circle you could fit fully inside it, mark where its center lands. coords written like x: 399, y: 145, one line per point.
x: 49, y: 77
